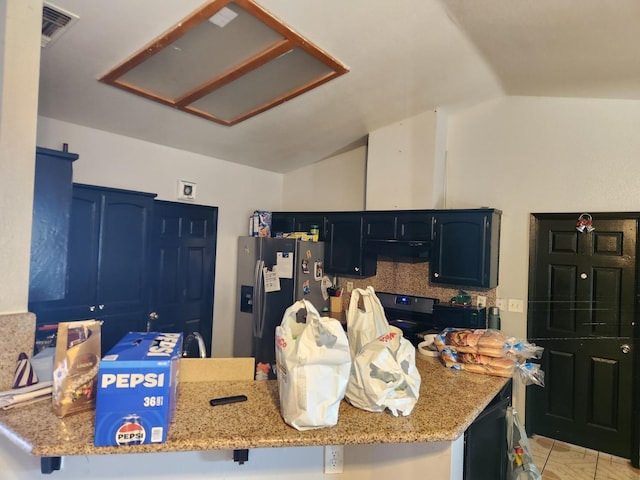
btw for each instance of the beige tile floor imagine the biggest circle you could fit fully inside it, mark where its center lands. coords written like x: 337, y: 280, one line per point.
x: 561, y: 461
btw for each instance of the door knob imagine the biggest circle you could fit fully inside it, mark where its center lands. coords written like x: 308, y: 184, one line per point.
x: 625, y: 348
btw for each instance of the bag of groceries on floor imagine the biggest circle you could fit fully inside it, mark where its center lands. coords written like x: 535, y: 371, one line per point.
x: 490, y: 352
x: 521, y: 464
x: 75, y: 366
x: 384, y: 373
x: 313, y: 364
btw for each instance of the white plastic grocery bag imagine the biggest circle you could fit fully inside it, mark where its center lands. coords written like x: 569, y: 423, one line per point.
x: 313, y: 365
x: 384, y: 375
x: 365, y: 325
x: 521, y: 463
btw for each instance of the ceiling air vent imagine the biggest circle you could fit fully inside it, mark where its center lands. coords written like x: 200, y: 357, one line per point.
x: 55, y: 21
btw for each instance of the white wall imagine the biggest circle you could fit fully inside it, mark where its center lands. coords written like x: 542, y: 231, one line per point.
x: 334, y: 184
x: 403, y: 171
x: 20, y: 21
x: 115, y: 161
x: 525, y: 155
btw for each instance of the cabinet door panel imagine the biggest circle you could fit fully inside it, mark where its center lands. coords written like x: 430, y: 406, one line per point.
x: 457, y: 261
x: 287, y: 222
x: 466, y: 246
x: 415, y: 226
x: 380, y: 226
x: 83, y: 254
x: 303, y: 223
x: 344, y: 252
x: 122, y: 283
x: 106, y: 277
x: 282, y: 223
x: 50, y: 225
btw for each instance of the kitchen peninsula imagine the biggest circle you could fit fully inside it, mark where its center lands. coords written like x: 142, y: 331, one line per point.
x: 449, y: 402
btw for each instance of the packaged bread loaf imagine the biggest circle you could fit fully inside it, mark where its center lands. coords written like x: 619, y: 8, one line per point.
x: 479, y: 341
x: 473, y: 362
x: 490, y: 352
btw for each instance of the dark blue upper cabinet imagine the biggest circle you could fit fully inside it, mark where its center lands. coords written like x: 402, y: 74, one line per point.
x: 50, y: 224
x: 107, y: 276
x: 344, y: 253
x: 465, y: 248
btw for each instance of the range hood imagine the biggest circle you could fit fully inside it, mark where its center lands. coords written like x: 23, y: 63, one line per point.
x: 414, y: 250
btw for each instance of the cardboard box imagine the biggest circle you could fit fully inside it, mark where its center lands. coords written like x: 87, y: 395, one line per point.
x: 138, y: 389
x: 260, y: 224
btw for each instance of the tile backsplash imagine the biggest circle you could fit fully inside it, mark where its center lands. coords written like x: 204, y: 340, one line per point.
x: 17, y: 332
x: 411, y: 279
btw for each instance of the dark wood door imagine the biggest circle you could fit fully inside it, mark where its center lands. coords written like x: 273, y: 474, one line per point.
x: 581, y: 310
x: 183, y: 269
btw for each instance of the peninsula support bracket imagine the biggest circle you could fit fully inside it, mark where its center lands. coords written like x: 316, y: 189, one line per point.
x: 241, y: 456
x: 50, y: 464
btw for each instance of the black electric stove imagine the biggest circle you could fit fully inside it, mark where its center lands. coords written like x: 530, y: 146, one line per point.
x: 417, y: 316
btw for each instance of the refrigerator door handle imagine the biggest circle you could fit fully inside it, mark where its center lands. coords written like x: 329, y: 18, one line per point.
x: 258, y: 300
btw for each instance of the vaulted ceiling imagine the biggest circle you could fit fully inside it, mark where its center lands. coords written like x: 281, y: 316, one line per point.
x: 403, y: 58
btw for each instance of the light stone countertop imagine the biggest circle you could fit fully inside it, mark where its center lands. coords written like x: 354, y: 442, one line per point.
x: 449, y: 402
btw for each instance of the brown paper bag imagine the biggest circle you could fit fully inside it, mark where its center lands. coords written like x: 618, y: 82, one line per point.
x: 75, y: 367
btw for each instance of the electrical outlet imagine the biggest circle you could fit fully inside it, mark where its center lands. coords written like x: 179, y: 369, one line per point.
x: 481, y: 301
x: 501, y: 303
x: 349, y: 287
x: 333, y: 458
x: 516, y: 305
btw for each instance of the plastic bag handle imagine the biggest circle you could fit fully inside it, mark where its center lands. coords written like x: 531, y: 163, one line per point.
x: 322, y: 335
x: 371, y: 303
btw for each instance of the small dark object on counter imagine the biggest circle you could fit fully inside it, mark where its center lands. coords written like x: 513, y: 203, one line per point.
x: 224, y: 400
x: 461, y: 299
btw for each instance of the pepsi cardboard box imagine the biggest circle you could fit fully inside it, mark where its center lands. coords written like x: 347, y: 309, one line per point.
x: 137, y: 389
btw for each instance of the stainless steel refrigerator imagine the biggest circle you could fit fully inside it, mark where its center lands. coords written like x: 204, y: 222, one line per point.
x: 273, y: 273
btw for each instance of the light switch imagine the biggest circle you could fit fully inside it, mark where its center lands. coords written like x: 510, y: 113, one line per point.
x: 516, y: 305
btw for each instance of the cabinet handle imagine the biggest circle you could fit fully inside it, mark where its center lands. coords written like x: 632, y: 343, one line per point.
x: 436, y: 274
x: 92, y: 308
x: 101, y: 307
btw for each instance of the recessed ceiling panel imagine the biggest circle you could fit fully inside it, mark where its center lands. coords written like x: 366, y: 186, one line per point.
x: 202, y: 53
x: 226, y: 62
x: 274, y: 80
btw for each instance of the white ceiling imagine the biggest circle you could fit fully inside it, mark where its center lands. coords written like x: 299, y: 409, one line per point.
x: 404, y: 57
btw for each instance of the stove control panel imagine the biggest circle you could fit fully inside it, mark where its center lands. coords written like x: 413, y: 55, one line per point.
x: 406, y: 303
